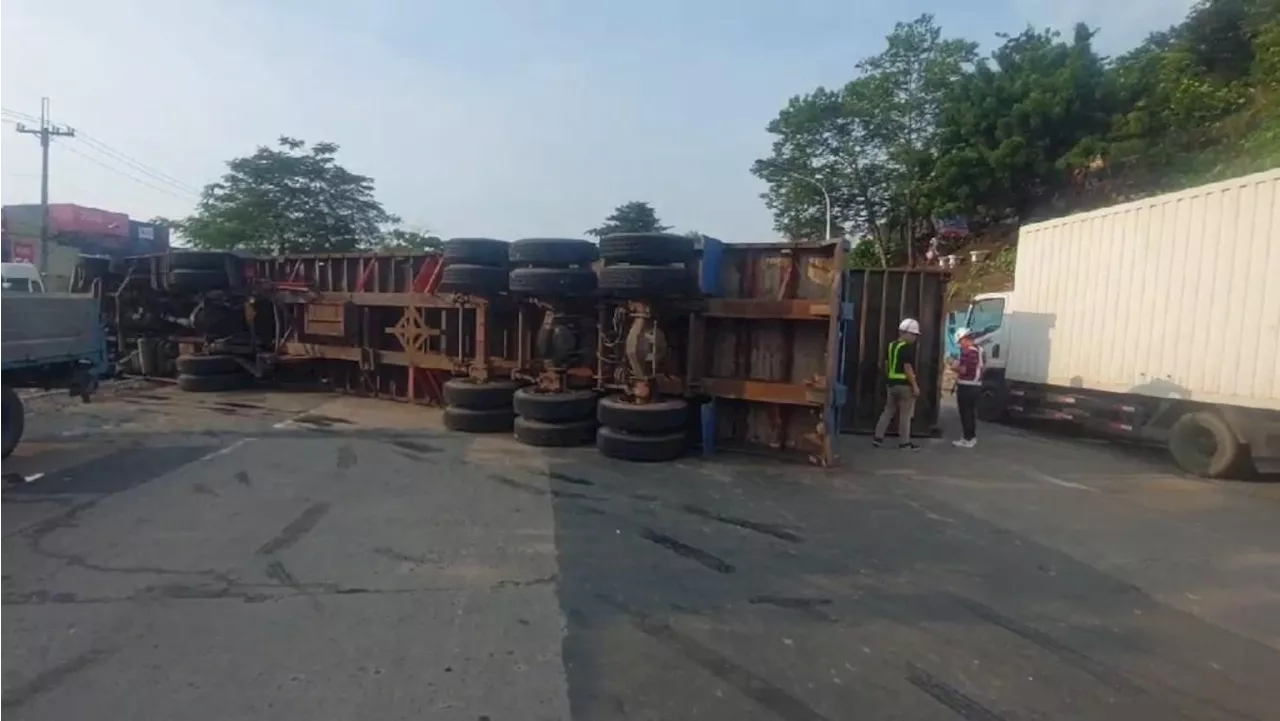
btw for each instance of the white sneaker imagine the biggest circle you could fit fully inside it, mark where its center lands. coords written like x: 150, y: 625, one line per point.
x: 965, y: 444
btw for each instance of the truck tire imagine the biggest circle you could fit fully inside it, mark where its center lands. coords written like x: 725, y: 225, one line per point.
x: 467, y: 420
x: 482, y: 280
x: 663, y: 416
x: 213, y: 383
x: 647, y: 248
x: 14, y: 418
x: 645, y: 281
x: 554, y: 282
x: 1204, y: 444
x: 554, y: 435
x: 489, y: 252
x: 992, y: 403
x: 620, y: 445
x: 467, y: 393
x: 553, y: 252
x: 198, y: 281
x: 555, y: 407
x: 208, y: 365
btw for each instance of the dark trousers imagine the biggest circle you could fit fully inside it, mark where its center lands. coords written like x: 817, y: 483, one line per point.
x: 967, y: 399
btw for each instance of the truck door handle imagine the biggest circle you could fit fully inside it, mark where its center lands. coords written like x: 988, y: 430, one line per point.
x: 995, y: 351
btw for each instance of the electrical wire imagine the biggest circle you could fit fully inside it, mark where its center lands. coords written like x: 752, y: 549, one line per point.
x: 117, y: 171
x: 115, y: 155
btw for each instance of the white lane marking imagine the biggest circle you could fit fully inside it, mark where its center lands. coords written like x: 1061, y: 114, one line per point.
x: 929, y: 514
x: 293, y: 422
x: 1039, y: 475
x: 225, y: 450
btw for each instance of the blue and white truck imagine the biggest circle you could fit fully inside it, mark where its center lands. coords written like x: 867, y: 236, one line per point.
x: 1156, y: 320
x: 48, y: 340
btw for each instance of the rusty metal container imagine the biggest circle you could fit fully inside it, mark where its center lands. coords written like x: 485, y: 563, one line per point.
x: 765, y: 347
x: 876, y: 301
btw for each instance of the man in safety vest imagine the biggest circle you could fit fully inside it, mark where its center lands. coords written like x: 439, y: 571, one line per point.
x: 900, y: 377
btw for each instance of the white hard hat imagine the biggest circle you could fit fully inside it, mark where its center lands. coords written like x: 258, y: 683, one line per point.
x: 963, y: 332
x: 909, y: 325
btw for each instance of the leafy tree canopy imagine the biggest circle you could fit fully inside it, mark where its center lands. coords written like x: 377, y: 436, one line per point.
x: 289, y: 199
x: 633, y: 217
x: 927, y: 130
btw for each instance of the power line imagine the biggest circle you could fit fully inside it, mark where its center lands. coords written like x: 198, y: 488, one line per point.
x: 136, y: 164
x: 121, y: 157
x: 184, y: 195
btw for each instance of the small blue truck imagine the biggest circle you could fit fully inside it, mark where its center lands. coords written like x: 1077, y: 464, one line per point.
x: 49, y: 340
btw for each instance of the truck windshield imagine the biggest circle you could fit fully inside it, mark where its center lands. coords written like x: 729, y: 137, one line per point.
x: 20, y: 285
x: 985, y: 315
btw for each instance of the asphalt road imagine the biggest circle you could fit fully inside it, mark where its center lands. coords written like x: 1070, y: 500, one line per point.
x: 274, y: 556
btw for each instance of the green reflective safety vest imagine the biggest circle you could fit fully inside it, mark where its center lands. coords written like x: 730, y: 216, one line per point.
x: 894, y: 372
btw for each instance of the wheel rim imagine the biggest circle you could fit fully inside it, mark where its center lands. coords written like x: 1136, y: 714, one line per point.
x: 1204, y: 442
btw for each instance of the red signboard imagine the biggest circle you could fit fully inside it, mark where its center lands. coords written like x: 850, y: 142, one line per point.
x: 69, y: 218
x: 24, y: 251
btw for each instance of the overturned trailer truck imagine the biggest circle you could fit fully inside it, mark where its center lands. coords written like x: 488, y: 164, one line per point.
x: 644, y: 342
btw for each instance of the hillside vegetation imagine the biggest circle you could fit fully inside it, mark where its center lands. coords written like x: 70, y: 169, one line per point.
x: 927, y: 130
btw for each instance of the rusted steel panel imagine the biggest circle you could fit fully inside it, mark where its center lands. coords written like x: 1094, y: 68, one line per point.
x: 394, y: 337
x: 767, y: 309
x: 327, y: 319
x: 881, y: 299
x: 393, y: 272
x: 768, y: 360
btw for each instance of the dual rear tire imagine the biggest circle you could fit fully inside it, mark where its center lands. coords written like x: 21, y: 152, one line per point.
x: 645, y: 432
x: 643, y: 266
x: 211, y: 373
x: 555, y: 420
x: 475, y: 266
x: 474, y: 407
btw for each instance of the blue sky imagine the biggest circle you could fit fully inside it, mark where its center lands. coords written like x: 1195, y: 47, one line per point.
x: 483, y: 117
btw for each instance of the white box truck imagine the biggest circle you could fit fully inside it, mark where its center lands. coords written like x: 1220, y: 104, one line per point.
x: 1156, y: 320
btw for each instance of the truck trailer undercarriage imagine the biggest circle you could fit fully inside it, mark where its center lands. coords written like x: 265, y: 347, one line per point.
x: 727, y: 346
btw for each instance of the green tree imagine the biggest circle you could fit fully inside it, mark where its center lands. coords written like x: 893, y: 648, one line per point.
x: 633, y: 217
x: 869, y: 144
x: 1044, y: 125
x: 1013, y: 130
x: 288, y: 199
x: 817, y: 147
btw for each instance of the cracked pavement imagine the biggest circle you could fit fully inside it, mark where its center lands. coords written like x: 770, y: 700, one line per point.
x: 271, y: 555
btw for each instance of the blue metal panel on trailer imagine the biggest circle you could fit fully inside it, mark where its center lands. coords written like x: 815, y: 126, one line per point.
x: 709, y: 266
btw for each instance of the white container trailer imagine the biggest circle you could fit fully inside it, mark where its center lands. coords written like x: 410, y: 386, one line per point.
x: 1157, y: 319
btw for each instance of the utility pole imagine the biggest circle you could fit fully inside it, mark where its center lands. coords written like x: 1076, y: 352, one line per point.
x: 47, y: 132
